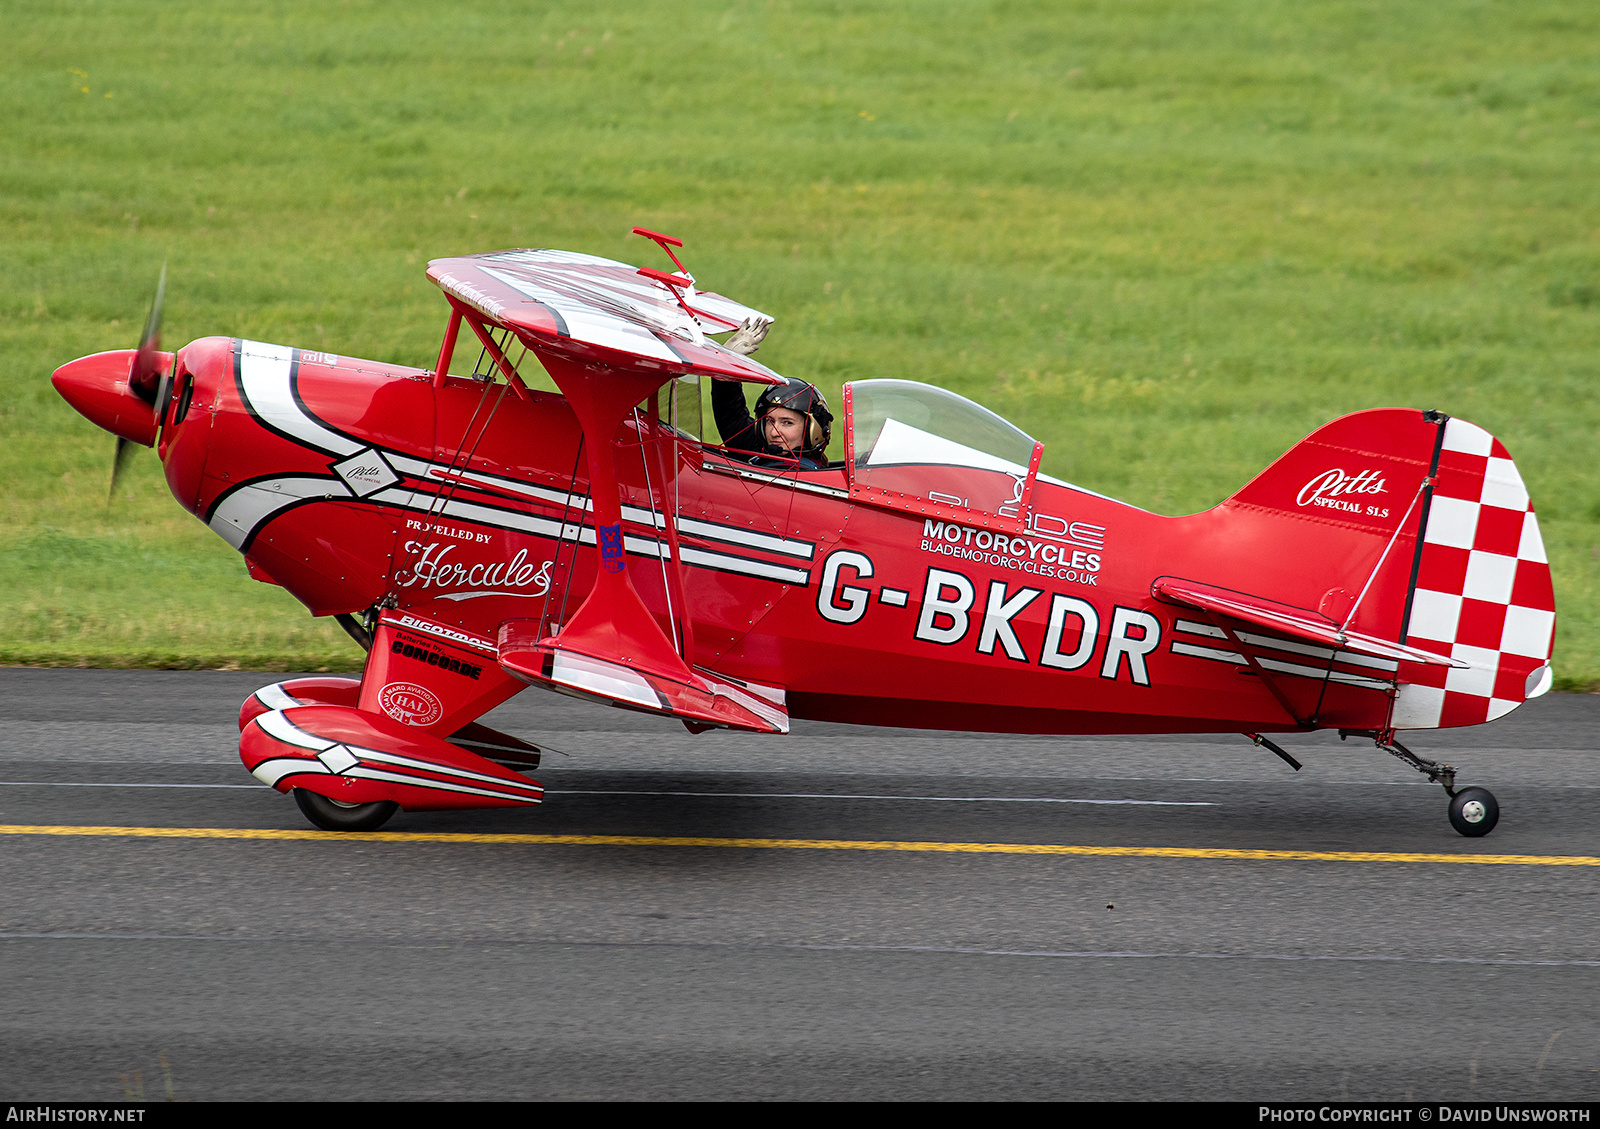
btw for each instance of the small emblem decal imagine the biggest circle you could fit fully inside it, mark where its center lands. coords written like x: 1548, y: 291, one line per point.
x: 610, y: 547
x: 410, y: 703
x: 366, y: 473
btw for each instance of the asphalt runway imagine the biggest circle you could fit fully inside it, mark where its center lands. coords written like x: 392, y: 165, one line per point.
x: 329, y: 967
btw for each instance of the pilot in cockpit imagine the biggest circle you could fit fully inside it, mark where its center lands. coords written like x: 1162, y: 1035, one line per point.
x: 792, y: 422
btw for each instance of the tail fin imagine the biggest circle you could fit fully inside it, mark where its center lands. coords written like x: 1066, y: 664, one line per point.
x: 1351, y: 500
x: 1481, y: 588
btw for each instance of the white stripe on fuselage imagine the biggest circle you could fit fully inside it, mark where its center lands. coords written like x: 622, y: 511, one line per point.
x: 264, y: 372
x: 237, y: 516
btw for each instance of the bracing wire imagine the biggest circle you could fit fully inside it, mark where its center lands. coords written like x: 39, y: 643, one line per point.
x: 566, y: 588
x: 560, y: 539
x: 443, y: 498
x: 662, y: 546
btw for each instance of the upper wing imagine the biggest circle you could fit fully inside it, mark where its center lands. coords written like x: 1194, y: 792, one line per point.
x: 600, y: 310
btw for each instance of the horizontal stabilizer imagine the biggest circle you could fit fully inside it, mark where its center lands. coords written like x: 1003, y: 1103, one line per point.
x: 1298, y: 622
x: 712, y: 700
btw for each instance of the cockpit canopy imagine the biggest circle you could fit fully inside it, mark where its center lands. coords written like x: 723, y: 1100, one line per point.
x: 926, y: 450
x: 902, y: 422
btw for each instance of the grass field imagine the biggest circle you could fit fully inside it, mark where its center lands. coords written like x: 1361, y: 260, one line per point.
x: 1167, y: 239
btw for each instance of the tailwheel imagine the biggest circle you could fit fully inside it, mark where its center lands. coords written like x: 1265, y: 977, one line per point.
x: 1474, y: 811
x: 336, y: 815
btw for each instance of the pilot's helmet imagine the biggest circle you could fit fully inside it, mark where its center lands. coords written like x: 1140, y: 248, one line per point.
x: 798, y: 396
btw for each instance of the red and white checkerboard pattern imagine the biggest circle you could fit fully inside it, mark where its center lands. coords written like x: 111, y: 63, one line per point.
x: 1483, y: 592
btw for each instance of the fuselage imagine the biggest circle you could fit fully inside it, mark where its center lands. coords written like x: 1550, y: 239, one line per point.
x: 354, y: 483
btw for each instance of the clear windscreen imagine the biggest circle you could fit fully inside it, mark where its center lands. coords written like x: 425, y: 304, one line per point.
x: 904, y: 423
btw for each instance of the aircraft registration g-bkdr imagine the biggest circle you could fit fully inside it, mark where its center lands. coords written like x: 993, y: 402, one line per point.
x: 478, y: 536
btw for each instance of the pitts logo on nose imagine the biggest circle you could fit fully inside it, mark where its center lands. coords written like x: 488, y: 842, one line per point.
x: 1326, y: 489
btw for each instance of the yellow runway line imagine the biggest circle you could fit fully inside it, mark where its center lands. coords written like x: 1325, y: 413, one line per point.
x: 1237, y: 853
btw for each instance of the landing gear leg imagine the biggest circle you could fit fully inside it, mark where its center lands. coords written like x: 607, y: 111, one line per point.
x: 1473, y: 811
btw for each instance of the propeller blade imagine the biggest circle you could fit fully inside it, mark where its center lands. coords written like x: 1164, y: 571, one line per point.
x: 145, y: 374
x: 118, y: 462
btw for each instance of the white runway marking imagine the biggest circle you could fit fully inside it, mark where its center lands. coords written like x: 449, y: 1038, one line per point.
x: 734, y: 795
x: 929, y: 799
x: 97, y: 784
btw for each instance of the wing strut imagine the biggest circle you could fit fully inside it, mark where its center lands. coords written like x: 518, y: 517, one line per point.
x: 612, y: 649
x: 610, y: 338
x: 672, y: 578
x: 494, y: 350
x: 448, y: 348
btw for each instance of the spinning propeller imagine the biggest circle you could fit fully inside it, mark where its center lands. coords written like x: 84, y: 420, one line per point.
x: 149, y: 377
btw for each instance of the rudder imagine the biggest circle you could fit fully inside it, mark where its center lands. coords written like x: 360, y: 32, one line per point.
x: 1480, y: 593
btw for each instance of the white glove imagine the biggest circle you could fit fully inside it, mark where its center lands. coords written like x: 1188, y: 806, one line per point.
x: 748, y: 337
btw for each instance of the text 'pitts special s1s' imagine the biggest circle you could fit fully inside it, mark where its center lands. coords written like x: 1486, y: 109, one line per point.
x: 477, y: 536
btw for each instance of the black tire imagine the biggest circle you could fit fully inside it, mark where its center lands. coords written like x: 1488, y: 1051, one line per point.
x: 332, y: 815
x: 1474, y: 812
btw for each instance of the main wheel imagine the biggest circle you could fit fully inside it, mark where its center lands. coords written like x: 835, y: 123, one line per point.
x: 1474, y: 812
x: 335, y: 815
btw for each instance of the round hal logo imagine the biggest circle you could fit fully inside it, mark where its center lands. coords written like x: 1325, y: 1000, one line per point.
x: 410, y: 703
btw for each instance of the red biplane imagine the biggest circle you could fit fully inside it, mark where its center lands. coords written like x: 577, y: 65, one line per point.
x: 478, y: 536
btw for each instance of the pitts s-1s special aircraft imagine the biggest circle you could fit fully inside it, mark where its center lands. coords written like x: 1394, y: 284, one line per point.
x: 478, y: 536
